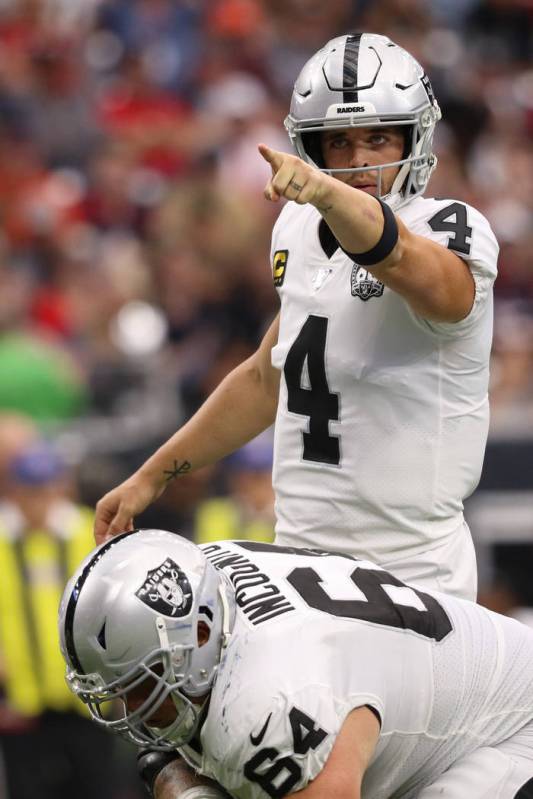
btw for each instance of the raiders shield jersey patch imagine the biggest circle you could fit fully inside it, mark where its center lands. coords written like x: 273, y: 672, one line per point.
x: 167, y: 590
x: 364, y: 285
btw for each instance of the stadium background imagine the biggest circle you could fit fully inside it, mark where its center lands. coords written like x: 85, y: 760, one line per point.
x: 134, y: 236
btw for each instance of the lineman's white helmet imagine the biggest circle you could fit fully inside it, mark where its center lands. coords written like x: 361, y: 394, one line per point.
x: 129, y: 617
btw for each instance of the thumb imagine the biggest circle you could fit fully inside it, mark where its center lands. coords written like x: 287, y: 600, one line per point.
x: 272, y: 157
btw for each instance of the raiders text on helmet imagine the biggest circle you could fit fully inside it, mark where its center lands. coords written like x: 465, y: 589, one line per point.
x: 128, y: 622
x: 365, y: 80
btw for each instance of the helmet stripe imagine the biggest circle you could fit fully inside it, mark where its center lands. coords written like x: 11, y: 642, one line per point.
x: 350, y: 68
x: 75, y: 595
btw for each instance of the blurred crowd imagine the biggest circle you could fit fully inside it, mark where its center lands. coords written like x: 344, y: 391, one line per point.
x: 134, y: 236
x: 134, y: 242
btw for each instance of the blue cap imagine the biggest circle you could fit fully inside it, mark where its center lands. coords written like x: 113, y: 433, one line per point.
x: 39, y: 464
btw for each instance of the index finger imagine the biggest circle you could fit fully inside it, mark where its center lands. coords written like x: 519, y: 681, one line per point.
x: 273, y: 157
x: 122, y: 523
x: 102, y: 521
x: 103, y: 530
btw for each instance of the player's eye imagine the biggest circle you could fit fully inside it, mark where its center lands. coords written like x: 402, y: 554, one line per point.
x: 338, y: 142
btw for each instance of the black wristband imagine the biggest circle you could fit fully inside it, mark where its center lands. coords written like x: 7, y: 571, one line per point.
x: 150, y: 763
x: 385, y: 245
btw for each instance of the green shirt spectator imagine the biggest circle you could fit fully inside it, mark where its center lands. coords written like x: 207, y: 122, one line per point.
x: 39, y: 379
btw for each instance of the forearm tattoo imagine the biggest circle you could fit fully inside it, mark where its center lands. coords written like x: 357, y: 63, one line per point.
x: 177, y: 470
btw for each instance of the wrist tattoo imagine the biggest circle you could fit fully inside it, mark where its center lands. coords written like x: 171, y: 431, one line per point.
x: 324, y: 209
x: 177, y: 470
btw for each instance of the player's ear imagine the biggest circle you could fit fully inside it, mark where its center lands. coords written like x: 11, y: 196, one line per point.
x: 203, y: 633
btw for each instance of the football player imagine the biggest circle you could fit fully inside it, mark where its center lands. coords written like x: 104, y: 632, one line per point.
x: 288, y: 670
x: 376, y: 368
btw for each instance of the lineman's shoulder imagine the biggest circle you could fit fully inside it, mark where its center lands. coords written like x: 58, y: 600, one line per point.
x: 265, y: 735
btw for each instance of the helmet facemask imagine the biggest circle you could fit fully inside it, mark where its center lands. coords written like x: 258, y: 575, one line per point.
x: 157, y: 677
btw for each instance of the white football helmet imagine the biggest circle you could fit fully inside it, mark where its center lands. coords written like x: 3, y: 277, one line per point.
x: 365, y: 80
x: 128, y: 625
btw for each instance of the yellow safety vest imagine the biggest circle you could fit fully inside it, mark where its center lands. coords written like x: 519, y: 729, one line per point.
x: 221, y: 519
x: 34, y: 569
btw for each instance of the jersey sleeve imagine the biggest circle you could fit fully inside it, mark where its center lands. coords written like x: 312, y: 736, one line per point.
x: 466, y: 232
x: 285, y: 746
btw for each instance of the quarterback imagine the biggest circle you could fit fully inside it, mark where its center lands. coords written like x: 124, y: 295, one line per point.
x: 375, y: 370
x: 275, y: 670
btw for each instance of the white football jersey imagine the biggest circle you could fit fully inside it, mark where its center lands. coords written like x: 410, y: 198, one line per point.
x: 317, y: 635
x: 382, y: 418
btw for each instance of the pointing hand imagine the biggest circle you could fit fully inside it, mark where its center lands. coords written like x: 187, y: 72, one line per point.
x: 292, y: 178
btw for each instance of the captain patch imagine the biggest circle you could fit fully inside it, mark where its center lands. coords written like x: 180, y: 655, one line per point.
x: 279, y: 266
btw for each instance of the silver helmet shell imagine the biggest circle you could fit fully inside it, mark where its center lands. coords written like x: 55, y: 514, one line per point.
x: 365, y: 80
x: 128, y: 620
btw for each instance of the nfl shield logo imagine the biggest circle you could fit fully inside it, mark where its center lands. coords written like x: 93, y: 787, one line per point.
x: 167, y: 590
x: 364, y: 285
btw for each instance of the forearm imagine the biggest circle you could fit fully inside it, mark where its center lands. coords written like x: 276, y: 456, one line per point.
x: 166, y: 775
x: 179, y: 781
x: 354, y: 217
x: 435, y: 282
x: 240, y: 408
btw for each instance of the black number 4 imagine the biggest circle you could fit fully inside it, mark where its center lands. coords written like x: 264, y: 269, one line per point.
x: 284, y: 774
x: 305, y: 735
x: 316, y: 402
x: 454, y: 219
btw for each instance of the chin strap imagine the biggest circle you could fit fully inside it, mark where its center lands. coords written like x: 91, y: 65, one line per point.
x: 226, y: 614
x: 162, y: 632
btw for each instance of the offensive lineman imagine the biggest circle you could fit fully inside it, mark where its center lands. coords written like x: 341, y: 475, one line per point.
x: 376, y: 368
x: 278, y: 670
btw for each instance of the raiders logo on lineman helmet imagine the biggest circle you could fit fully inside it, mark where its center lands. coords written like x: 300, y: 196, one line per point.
x: 167, y: 590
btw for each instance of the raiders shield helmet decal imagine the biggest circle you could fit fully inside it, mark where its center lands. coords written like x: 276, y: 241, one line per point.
x: 167, y: 590
x: 364, y: 285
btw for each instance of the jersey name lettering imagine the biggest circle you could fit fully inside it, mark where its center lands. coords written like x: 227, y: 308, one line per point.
x: 259, y: 599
